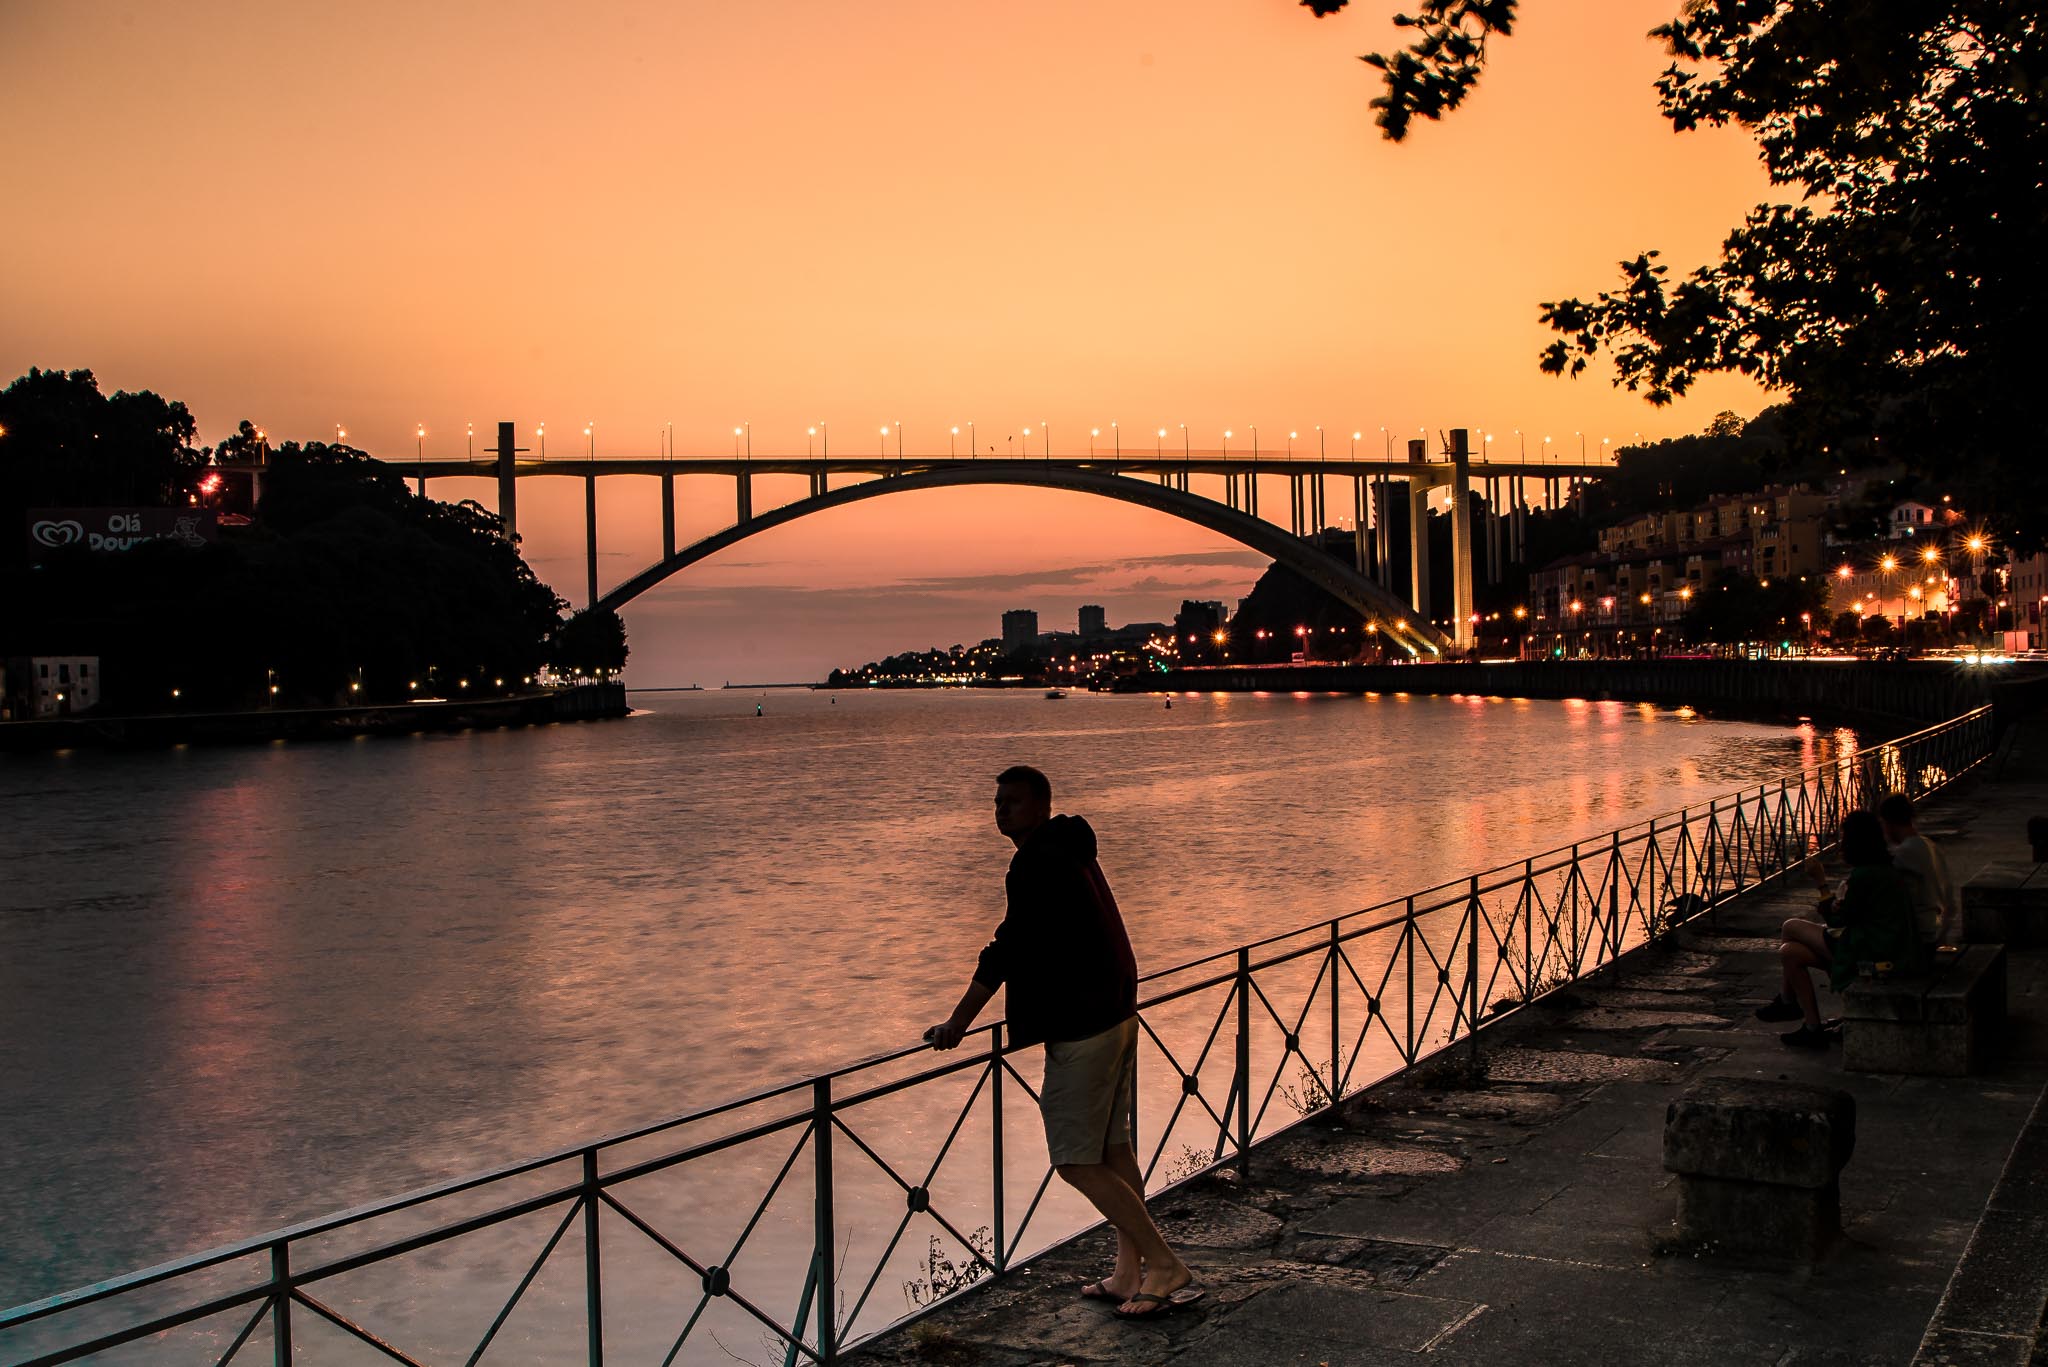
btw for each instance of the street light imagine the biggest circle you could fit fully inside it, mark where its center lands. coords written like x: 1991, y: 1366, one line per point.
x: 885, y: 441
x: 1158, y: 444
x: 952, y: 440
x: 542, y: 433
x: 590, y: 441
x: 810, y: 437
x: 1185, y: 455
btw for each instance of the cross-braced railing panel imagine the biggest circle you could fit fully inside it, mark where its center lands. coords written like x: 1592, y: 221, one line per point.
x: 785, y: 1225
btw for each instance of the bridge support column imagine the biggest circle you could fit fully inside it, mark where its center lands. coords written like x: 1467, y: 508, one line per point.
x: 1462, y: 597
x: 1383, y: 529
x: 1251, y: 492
x: 819, y: 487
x: 508, y: 483
x: 590, y: 535
x: 1296, y: 495
x: 668, y: 516
x: 1358, y: 522
x: 1318, y: 503
x: 744, y: 483
x: 1418, y: 534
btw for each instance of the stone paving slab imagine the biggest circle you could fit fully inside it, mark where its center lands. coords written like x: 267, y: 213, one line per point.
x: 1520, y: 1213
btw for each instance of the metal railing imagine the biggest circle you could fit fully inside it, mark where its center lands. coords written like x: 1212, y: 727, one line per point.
x: 646, y: 1240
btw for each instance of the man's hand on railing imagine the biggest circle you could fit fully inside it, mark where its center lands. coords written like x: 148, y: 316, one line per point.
x: 944, y: 1035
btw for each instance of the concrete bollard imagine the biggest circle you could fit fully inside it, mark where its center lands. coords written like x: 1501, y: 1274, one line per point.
x: 1759, y: 1164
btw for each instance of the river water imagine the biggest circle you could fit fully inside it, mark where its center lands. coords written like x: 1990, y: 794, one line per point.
x: 240, y: 987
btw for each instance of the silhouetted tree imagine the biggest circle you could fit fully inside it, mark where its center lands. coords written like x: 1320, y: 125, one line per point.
x: 1896, y: 303
x: 65, y: 444
x: 592, y: 641
x: 346, y: 588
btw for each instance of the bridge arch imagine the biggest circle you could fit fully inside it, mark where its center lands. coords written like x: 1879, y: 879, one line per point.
x: 1339, y: 580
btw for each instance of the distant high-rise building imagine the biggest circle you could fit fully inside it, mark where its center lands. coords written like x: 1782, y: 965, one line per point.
x: 1020, y: 630
x: 1094, y: 621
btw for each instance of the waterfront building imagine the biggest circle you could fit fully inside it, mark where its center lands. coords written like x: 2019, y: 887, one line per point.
x: 1020, y: 631
x: 1094, y: 621
x: 50, y: 685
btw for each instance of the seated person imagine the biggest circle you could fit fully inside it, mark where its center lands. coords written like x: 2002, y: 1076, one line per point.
x: 1937, y: 911
x: 1869, y: 921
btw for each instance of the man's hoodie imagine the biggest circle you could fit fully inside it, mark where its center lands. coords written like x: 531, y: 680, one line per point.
x: 1061, y: 947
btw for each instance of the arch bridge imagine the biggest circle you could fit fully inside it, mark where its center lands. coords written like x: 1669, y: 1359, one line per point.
x: 1161, y: 481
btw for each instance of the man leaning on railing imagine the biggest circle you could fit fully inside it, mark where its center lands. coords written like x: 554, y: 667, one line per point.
x: 1073, y: 983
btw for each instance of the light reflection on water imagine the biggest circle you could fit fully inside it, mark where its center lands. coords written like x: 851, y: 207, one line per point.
x: 241, y: 987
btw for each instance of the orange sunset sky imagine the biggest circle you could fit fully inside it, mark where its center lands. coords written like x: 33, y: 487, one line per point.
x: 706, y: 214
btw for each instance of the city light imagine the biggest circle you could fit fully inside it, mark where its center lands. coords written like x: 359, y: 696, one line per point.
x: 1844, y: 572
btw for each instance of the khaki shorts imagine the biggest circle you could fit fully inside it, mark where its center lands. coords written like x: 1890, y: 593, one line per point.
x: 1090, y: 1094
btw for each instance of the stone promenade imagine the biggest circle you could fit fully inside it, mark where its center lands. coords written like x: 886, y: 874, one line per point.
x: 1523, y: 1216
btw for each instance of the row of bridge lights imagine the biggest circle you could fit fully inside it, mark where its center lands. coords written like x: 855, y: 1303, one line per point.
x: 743, y: 440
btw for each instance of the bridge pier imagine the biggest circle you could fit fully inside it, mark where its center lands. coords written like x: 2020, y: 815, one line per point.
x: 590, y: 536
x: 1382, y: 528
x: 508, y: 484
x: 819, y: 486
x: 1297, y: 496
x: 744, y: 489
x: 1418, y: 534
x: 668, y: 516
x: 1358, y: 522
x: 1462, y: 597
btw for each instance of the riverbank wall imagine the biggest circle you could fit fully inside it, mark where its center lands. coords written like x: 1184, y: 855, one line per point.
x: 581, y: 702
x: 1914, y: 692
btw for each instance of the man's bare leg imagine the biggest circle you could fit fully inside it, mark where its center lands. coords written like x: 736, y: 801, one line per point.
x: 1124, y: 1281
x: 1114, y: 1194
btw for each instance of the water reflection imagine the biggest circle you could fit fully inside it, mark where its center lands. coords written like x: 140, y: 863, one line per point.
x: 246, y: 986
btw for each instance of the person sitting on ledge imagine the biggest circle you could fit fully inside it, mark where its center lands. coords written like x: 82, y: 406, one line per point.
x: 1869, y: 922
x: 1937, y: 911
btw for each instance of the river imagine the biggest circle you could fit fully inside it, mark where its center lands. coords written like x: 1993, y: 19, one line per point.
x: 244, y: 986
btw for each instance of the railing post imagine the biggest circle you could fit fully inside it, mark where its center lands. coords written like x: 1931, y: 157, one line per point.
x: 281, y: 1303
x: 1244, y: 1062
x: 1653, y: 860
x: 995, y: 1110
x: 1472, y: 970
x: 1410, y: 928
x: 1614, y: 875
x: 1575, y: 880
x: 593, y: 1272
x: 1336, y: 1087
x: 821, y: 1201
x: 1528, y: 931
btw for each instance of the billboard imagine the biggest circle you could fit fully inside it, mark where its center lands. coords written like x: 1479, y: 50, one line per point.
x: 118, y: 529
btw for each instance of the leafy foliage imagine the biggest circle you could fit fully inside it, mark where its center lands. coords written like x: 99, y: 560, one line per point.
x: 1896, y: 303
x: 347, y: 588
x: 1433, y: 75
x: 592, y: 642
x: 67, y: 445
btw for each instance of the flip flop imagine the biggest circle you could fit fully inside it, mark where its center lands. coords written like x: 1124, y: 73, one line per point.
x: 1096, y: 1291
x: 1168, y: 1305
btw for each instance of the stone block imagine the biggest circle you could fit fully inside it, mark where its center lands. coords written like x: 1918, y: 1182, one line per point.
x: 1914, y: 1048
x: 2007, y: 903
x: 1780, y: 1134
x: 1942, y: 1024
x: 1725, y: 1216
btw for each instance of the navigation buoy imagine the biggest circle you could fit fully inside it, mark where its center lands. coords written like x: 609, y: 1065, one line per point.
x: 757, y: 709
x: 1169, y: 704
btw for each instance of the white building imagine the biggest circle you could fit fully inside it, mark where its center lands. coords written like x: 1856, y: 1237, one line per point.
x: 62, y: 684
